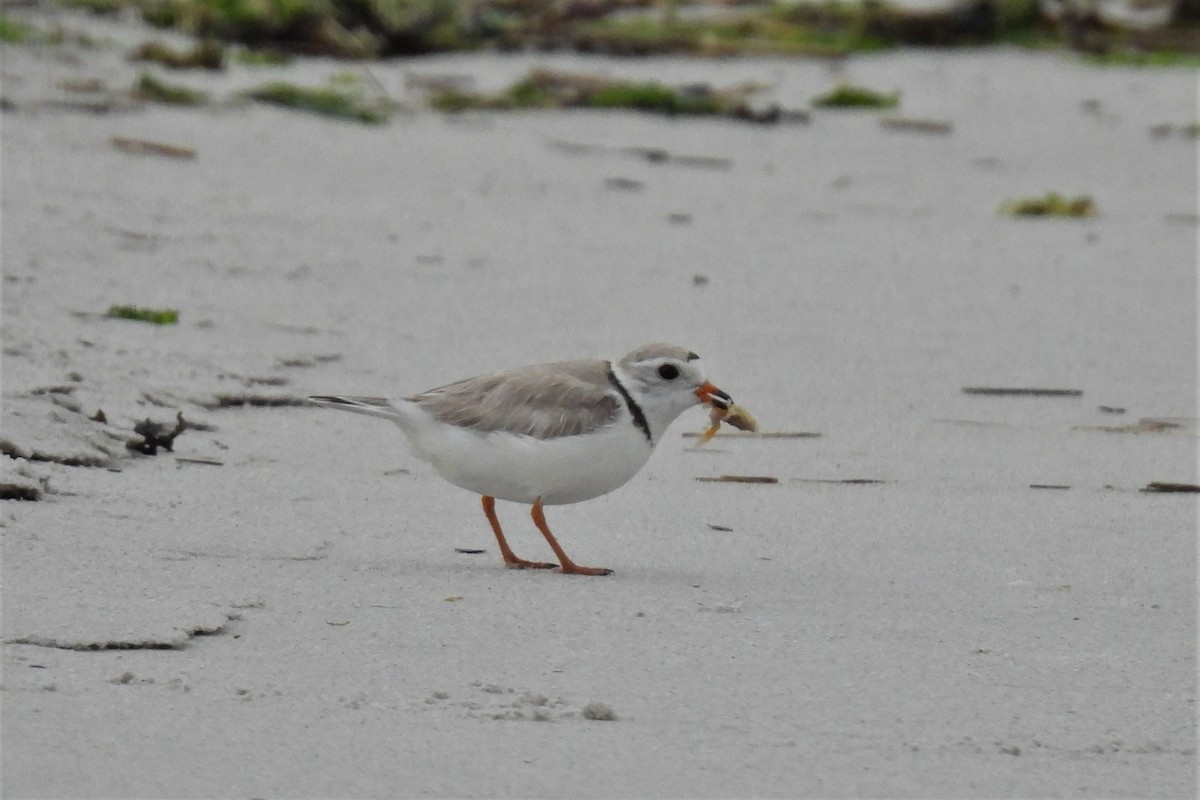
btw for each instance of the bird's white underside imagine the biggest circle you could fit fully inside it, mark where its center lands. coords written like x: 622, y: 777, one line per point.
x: 522, y: 469
x: 511, y: 464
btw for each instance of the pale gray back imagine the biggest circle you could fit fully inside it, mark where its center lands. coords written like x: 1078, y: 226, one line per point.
x: 546, y: 401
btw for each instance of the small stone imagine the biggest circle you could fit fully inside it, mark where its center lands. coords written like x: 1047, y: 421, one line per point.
x: 600, y: 712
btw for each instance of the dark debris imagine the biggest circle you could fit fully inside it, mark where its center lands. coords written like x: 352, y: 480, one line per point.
x: 157, y: 434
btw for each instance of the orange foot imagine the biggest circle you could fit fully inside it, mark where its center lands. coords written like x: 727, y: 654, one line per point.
x: 520, y: 563
x: 569, y: 567
x: 574, y: 569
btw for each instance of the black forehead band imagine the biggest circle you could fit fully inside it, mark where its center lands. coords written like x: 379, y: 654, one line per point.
x: 692, y: 356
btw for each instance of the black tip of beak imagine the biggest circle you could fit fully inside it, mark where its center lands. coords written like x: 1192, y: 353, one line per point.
x: 721, y: 399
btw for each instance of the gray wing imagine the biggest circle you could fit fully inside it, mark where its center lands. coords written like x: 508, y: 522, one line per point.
x: 547, y: 401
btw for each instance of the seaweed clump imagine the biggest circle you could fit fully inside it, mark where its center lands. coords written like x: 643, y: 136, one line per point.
x: 552, y: 89
x: 655, y: 97
x: 14, y: 32
x: 206, y: 54
x: 157, y: 316
x: 1052, y: 204
x: 356, y: 29
x: 850, y: 96
x: 151, y: 89
x: 383, y: 28
x: 331, y: 101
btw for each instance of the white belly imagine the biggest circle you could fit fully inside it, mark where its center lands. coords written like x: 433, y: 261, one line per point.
x: 522, y: 469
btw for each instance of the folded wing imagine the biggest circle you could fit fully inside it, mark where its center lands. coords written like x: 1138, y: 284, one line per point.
x: 546, y: 402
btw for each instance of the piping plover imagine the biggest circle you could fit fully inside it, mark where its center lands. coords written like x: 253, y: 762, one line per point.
x: 547, y: 434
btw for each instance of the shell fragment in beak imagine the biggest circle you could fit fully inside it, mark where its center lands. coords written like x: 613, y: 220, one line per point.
x: 733, y: 415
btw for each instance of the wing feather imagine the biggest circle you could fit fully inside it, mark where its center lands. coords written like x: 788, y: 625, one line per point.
x: 546, y: 401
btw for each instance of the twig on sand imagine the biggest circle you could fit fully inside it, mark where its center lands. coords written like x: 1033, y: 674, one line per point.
x: 1161, y: 487
x: 737, y: 479
x: 917, y: 125
x: 147, y: 148
x: 1007, y: 391
x: 1144, y: 425
x: 754, y: 435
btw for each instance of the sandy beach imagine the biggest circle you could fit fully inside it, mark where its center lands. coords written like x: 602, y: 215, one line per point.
x: 943, y: 594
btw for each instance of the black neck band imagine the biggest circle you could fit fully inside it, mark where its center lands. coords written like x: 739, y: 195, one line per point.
x: 639, y: 419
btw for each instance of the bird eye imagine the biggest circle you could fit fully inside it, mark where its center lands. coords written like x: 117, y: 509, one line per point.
x: 668, y: 372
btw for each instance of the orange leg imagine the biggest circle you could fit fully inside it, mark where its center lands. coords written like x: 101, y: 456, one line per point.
x: 510, y: 558
x: 568, y: 566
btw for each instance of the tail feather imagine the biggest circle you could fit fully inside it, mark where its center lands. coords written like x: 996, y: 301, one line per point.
x: 372, y: 406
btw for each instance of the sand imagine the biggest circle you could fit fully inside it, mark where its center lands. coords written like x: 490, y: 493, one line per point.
x: 277, y: 608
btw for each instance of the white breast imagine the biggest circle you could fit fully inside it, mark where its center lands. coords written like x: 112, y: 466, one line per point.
x: 521, y: 469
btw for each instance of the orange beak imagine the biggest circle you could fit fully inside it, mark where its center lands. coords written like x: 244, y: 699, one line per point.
x: 711, y: 395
